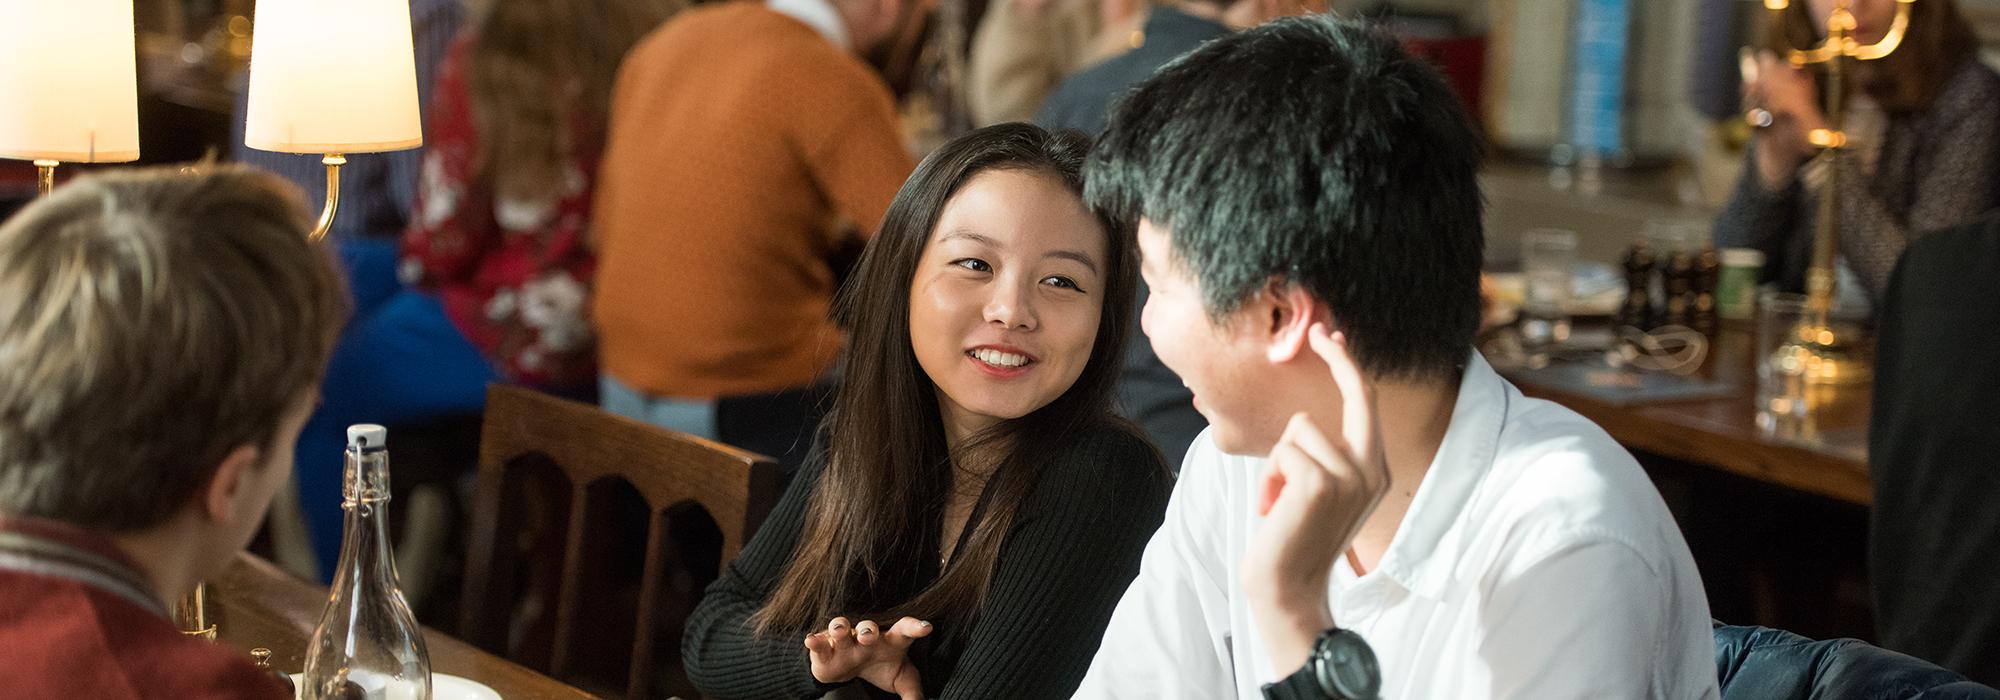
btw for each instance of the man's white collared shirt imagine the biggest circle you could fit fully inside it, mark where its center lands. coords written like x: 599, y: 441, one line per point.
x: 1536, y: 561
x: 821, y: 15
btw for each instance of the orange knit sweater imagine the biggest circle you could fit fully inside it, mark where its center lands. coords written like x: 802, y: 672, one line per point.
x: 740, y: 143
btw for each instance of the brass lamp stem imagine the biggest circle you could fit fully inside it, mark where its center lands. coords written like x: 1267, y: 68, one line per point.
x: 1834, y: 52
x: 1820, y: 276
x: 333, y: 161
x: 191, y: 613
x: 45, y: 176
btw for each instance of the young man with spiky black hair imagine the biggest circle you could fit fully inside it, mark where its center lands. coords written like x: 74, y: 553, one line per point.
x: 1373, y: 510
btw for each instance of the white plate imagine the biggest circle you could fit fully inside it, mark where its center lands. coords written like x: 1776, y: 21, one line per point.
x: 445, y: 686
x: 449, y: 687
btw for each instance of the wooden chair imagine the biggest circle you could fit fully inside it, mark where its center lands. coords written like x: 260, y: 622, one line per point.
x: 562, y: 482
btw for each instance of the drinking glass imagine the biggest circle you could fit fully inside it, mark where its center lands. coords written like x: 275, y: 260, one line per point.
x: 1547, y: 258
x: 1781, y: 362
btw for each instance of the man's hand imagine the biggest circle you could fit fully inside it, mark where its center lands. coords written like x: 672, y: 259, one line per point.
x: 862, y: 650
x: 1317, y: 491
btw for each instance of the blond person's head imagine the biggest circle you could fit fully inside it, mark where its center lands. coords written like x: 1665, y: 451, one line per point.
x: 155, y: 324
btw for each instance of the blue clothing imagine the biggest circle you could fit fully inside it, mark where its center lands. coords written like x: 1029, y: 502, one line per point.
x: 1083, y: 101
x: 399, y: 361
x: 1760, y: 662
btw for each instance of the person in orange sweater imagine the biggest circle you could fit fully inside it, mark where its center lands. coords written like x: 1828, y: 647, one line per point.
x: 747, y: 141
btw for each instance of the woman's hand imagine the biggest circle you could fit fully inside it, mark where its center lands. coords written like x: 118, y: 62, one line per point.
x: 1791, y: 96
x: 862, y: 650
x: 1317, y: 491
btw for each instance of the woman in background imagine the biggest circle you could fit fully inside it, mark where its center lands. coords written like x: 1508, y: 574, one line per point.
x: 972, y: 510
x: 502, y: 215
x: 1924, y: 139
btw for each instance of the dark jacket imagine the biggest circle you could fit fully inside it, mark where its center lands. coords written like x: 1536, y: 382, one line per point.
x: 1934, y: 453
x: 1759, y: 663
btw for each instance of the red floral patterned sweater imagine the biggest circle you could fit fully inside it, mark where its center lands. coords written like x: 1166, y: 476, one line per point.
x: 513, y: 275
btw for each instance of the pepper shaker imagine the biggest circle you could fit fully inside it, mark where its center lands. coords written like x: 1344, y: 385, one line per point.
x: 1638, y: 309
x: 1707, y: 270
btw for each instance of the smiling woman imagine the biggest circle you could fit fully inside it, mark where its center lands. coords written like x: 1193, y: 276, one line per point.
x: 1005, y: 303
x: 971, y: 484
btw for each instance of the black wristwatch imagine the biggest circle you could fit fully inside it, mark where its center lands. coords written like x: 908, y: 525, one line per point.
x: 1342, y: 667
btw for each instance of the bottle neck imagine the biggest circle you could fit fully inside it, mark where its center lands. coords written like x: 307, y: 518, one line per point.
x: 366, y: 476
x: 364, y: 548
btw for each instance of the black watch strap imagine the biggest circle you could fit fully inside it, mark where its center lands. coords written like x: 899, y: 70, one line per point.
x: 1303, y: 684
x: 1341, y: 667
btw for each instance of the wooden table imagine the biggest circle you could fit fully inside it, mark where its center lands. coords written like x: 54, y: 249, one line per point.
x: 1827, y: 454
x: 256, y: 604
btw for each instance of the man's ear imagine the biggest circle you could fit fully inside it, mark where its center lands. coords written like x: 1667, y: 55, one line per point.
x: 219, y: 499
x: 1289, y: 311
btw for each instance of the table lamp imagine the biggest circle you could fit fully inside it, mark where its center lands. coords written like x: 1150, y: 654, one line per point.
x: 1823, y: 351
x: 332, y: 77
x: 69, y: 89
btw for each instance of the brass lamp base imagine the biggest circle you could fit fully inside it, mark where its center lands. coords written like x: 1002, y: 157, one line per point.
x: 45, y: 176
x: 191, y: 614
x: 1824, y: 354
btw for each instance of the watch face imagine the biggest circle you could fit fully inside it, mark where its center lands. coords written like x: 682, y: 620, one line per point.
x: 1346, y: 666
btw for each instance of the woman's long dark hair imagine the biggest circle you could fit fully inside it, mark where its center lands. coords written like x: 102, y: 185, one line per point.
x: 1938, y: 41
x: 881, y: 502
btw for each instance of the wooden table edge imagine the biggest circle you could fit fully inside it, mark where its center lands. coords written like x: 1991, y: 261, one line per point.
x: 295, y: 604
x: 1655, y: 429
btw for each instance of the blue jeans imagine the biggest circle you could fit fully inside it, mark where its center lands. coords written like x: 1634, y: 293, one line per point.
x: 778, y: 425
x: 692, y: 416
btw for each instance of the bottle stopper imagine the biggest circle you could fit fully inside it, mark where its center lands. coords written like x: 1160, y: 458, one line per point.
x: 367, y: 437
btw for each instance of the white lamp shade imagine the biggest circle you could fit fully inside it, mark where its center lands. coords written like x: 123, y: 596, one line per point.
x: 331, y: 76
x: 69, y: 87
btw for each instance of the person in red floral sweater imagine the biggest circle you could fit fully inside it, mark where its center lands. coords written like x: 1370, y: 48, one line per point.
x: 500, y: 229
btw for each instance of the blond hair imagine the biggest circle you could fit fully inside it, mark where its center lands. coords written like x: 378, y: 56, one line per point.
x: 151, y: 321
x: 536, y: 65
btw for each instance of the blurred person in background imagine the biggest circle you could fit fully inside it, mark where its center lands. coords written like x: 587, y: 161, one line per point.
x: 502, y: 218
x: 1022, y: 49
x: 748, y: 143
x: 1171, y: 29
x: 1923, y: 144
x: 1932, y: 528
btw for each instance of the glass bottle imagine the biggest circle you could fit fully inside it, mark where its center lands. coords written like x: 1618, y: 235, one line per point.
x: 367, y: 644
